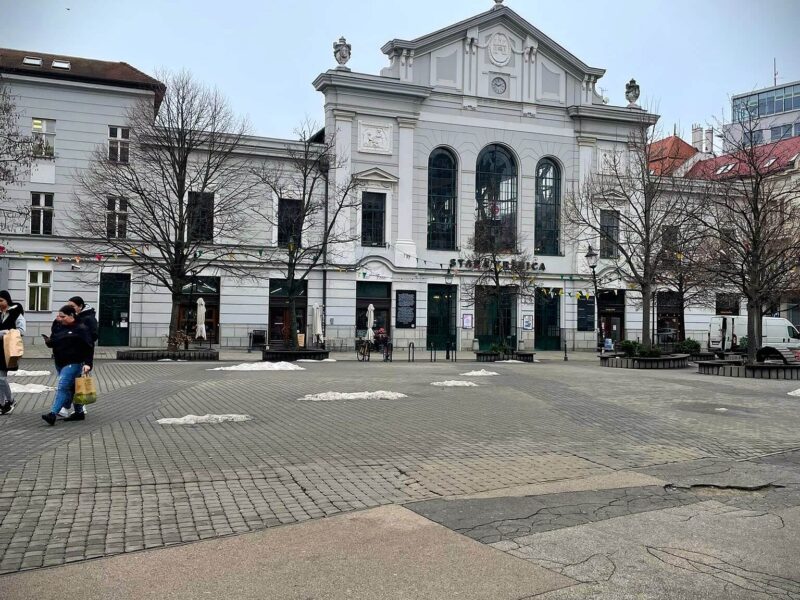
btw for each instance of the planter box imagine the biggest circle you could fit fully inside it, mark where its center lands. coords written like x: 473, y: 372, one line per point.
x: 760, y: 371
x: 293, y: 355
x: 150, y: 355
x: 671, y: 361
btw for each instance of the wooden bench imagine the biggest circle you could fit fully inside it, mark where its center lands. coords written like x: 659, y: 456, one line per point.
x: 293, y: 355
x: 784, y: 354
x: 486, y: 356
x: 524, y: 356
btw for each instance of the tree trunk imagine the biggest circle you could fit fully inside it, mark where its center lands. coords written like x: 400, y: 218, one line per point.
x: 753, y: 329
x: 647, y: 299
x: 293, y: 345
x: 172, y: 339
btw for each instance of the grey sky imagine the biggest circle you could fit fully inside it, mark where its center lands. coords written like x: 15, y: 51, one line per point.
x: 689, y: 56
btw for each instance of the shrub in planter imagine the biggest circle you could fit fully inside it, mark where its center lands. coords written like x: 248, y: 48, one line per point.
x: 649, y: 351
x: 687, y: 347
x: 629, y: 347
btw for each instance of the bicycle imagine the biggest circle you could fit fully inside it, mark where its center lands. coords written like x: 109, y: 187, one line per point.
x: 365, y: 347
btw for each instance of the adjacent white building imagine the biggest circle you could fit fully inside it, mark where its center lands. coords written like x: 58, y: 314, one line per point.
x: 487, y: 122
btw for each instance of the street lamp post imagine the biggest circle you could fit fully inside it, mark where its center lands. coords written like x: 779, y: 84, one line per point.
x: 591, y: 261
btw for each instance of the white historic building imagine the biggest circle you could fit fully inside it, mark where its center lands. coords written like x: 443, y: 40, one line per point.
x: 485, y: 122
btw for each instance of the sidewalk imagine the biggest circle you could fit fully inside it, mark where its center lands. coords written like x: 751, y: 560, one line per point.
x: 400, y: 354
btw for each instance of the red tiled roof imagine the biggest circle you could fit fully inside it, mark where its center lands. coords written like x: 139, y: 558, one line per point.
x: 81, y: 69
x: 783, y: 152
x: 664, y: 156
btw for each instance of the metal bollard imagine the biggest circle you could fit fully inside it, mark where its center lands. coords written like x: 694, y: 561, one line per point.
x: 565, y: 352
x: 411, y: 351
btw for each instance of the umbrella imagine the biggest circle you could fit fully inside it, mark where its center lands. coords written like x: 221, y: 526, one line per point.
x: 200, y: 328
x: 370, y: 319
x: 316, y: 323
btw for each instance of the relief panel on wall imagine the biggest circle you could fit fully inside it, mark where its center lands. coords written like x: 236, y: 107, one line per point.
x: 374, y: 138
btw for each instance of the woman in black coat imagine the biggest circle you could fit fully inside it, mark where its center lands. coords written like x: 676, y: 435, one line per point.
x: 73, y: 351
x: 12, y: 316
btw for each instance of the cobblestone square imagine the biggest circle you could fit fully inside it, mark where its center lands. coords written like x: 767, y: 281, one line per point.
x: 120, y: 482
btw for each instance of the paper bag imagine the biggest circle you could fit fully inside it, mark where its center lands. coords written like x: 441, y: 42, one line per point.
x: 85, y: 390
x: 13, y: 348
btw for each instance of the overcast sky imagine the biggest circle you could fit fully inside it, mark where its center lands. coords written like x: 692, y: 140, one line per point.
x: 688, y: 56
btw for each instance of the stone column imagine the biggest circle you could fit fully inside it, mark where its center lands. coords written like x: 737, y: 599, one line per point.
x: 343, y: 128
x: 405, y: 248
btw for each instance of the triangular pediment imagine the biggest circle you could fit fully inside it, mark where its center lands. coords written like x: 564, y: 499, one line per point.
x: 504, y: 18
x: 376, y: 174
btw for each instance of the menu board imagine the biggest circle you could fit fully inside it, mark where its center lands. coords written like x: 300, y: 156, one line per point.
x: 406, y: 309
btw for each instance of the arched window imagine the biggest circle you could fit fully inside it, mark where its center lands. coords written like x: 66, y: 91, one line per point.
x: 496, y: 200
x: 547, y: 231
x: 442, y: 176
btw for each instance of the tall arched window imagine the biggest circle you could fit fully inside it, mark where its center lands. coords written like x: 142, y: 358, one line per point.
x: 547, y: 231
x: 442, y: 176
x: 496, y: 200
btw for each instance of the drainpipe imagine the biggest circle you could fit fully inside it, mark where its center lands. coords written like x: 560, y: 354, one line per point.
x: 324, y: 167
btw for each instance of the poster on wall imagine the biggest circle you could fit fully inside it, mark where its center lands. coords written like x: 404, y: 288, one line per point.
x: 406, y: 312
x: 466, y: 321
x: 527, y: 322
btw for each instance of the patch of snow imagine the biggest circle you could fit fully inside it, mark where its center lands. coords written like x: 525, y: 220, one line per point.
x: 721, y: 409
x: 22, y: 373
x: 316, y: 361
x: 30, y: 388
x: 795, y: 393
x: 481, y: 373
x: 328, y: 396
x: 171, y: 360
x: 199, y: 420
x: 454, y: 383
x: 510, y: 361
x: 261, y: 366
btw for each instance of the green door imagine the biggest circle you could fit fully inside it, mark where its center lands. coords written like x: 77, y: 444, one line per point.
x: 113, y: 316
x: 547, y: 326
x: 441, y: 316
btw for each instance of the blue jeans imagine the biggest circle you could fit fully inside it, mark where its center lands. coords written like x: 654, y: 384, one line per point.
x: 65, y: 388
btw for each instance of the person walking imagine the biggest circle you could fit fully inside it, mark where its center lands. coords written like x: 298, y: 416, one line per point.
x: 87, y: 316
x: 12, y: 316
x: 73, y: 352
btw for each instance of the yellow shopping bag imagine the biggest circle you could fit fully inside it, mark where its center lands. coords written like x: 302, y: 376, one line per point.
x: 85, y: 390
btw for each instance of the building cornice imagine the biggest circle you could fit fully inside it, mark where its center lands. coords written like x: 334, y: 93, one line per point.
x: 361, y: 82
x: 612, y: 113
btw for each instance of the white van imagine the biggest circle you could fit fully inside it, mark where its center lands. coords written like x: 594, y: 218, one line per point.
x: 724, y: 333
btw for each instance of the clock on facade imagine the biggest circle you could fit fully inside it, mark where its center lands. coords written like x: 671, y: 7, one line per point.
x: 499, y: 85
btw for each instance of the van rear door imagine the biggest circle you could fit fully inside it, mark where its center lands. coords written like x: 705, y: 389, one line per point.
x: 716, y: 334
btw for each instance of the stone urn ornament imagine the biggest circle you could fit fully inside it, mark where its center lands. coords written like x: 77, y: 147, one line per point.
x: 341, y: 52
x: 632, y: 93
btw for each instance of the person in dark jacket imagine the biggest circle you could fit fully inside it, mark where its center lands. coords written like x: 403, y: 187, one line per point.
x: 12, y: 316
x: 73, y: 351
x: 87, y: 316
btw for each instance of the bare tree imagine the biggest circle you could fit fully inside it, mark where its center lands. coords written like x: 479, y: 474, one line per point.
x: 16, y: 151
x: 496, y: 269
x: 752, y: 217
x: 627, y: 206
x: 308, y: 215
x: 173, y: 193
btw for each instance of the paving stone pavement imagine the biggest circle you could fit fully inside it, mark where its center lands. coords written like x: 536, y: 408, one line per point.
x: 120, y: 482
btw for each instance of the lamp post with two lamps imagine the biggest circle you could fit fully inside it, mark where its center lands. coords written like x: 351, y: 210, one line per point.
x: 591, y: 260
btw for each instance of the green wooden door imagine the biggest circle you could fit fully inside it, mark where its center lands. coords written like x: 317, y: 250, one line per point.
x: 113, y: 317
x: 441, y: 316
x: 547, y: 326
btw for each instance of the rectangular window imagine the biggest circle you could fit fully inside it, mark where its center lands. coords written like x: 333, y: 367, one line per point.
x: 118, y: 144
x: 289, y: 224
x: 44, y: 137
x: 586, y: 314
x: 780, y: 132
x: 754, y: 137
x: 728, y: 304
x: 200, y: 213
x: 609, y: 233
x: 373, y: 219
x: 39, y: 290
x: 117, y: 218
x: 797, y: 128
x: 41, y: 213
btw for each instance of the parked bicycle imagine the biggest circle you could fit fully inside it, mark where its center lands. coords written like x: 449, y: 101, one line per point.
x: 379, y: 343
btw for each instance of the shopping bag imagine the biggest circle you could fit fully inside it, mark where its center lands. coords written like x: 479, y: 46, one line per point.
x: 85, y: 390
x: 13, y: 348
